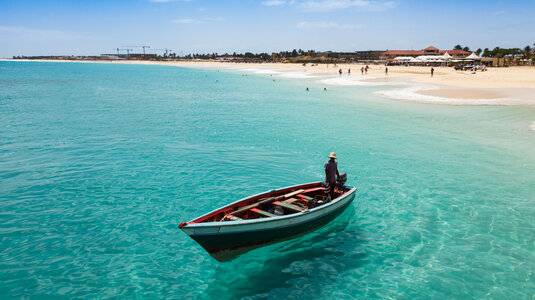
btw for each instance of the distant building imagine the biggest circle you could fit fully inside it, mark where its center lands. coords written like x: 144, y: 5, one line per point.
x: 133, y: 56
x: 335, y: 55
x: 110, y: 57
x: 368, y: 55
x: 141, y: 56
x: 391, y: 54
x: 351, y: 56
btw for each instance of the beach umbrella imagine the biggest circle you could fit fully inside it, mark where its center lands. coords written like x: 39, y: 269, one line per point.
x: 473, y: 56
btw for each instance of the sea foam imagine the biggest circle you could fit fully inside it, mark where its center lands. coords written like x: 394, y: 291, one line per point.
x: 346, y: 81
x: 294, y: 75
x: 532, y: 126
x: 358, y: 81
x: 260, y: 71
x: 412, y: 94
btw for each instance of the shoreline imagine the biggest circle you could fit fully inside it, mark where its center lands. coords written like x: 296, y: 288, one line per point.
x: 496, y: 86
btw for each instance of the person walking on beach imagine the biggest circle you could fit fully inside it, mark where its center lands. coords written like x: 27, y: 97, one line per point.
x: 348, y: 71
x: 331, y: 173
x: 432, y: 71
x: 362, y: 71
x: 386, y: 71
x: 340, y: 71
x: 366, y: 69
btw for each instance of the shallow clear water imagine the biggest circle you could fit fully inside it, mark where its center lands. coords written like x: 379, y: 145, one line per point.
x: 99, y: 163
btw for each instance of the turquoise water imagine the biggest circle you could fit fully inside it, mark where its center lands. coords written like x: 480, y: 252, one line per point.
x: 99, y: 163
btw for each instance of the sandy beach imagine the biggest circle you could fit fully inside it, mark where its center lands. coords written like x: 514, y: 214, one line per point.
x: 496, y: 86
x: 511, y: 77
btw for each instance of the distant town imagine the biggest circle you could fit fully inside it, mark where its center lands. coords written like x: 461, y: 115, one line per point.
x: 497, y: 57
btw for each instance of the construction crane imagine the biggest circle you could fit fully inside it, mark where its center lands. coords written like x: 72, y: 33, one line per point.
x: 144, y: 47
x: 124, y: 49
x: 166, y: 50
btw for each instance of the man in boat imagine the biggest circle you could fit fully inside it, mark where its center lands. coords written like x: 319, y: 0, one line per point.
x: 331, y: 173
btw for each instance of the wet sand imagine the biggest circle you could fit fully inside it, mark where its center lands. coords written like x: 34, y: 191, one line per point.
x: 464, y: 93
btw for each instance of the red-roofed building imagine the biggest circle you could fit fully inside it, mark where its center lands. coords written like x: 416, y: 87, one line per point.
x: 427, y: 51
x: 457, y: 53
x: 431, y: 51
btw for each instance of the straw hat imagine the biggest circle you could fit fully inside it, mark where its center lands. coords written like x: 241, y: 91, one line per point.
x: 333, y: 155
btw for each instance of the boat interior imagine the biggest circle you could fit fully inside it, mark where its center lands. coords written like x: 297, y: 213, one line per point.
x: 273, y: 204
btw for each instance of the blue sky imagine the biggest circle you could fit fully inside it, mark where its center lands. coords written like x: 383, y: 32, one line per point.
x: 201, y: 26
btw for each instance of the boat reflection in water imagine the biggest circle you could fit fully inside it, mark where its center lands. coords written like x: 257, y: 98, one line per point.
x: 279, y: 270
x: 267, y: 218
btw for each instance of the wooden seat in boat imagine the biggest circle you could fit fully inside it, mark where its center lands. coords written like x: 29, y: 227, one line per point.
x: 291, y: 200
x: 288, y: 206
x: 304, y: 198
x: 265, y: 201
x: 261, y: 212
x: 313, y: 190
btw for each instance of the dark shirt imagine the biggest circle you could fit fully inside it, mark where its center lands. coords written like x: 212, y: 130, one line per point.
x: 331, y: 168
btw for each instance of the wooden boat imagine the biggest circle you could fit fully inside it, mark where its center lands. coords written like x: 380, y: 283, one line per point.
x: 266, y: 218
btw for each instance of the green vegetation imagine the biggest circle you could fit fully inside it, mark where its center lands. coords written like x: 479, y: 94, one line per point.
x: 261, y: 56
x: 515, y: 53
x: 503, y: 52
x: 296, y: 55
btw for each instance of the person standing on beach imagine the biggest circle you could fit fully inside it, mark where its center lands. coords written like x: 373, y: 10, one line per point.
x: 386, y: 71
x: 348, y: 71
x: 331, y: 173
x: 366, y: 69
x: 362, y: 71
x: 340, y: 71
x: 432, y: 71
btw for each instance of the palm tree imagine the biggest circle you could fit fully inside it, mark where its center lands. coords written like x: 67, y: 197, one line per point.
x: 527, y: 51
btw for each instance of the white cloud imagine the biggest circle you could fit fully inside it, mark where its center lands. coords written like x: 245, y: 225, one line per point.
x: 274, y: 2
x: 323, y: 5
x: 326, y: 5
x: 188, y: 21
x: 164, y: 1
x: 326, y: 25
x: 197, y: 21
x: 499, y: 12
